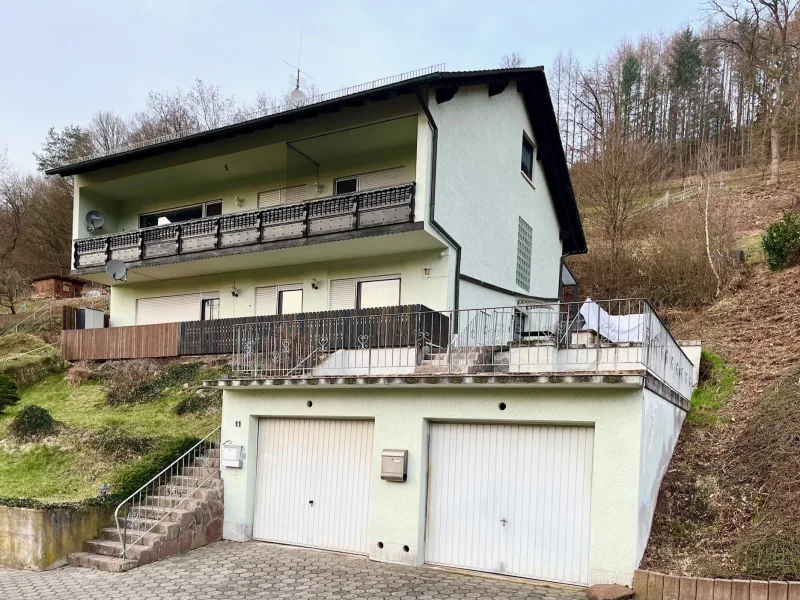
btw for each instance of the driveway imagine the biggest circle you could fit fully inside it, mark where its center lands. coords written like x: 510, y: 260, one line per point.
x: 258, y: 570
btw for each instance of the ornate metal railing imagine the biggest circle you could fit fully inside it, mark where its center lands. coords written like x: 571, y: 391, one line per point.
x: 154, y: 502
x: 608, y: 336
x: 360, y: 210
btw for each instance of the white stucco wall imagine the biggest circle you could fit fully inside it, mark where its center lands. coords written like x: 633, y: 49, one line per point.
x: 661, y: 426
x: 415, y: 288
x: 402, y: 415
x: 481, y: 192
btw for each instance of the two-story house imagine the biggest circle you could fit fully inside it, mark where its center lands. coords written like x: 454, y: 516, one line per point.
x: 407, y: 385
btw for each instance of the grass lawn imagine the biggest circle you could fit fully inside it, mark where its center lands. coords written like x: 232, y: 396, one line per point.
x: 63, y: 468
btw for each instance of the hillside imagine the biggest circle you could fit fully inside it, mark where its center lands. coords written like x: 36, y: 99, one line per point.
x: 730, y: 505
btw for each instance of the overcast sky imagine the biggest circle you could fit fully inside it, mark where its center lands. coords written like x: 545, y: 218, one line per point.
x: 62, y: 61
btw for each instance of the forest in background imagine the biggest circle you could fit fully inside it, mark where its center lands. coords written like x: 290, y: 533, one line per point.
x: 668, y: 113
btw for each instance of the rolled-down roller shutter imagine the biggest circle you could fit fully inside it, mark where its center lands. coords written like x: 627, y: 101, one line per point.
x: 168, y: 309
x: 343, y: 294
x: 383, y: 178
x: 267, y: 301
x: 280, y: 196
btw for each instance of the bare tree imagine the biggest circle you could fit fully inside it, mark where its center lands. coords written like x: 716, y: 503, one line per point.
x: 107, y: 132
x: 17, y: 192
x: 708, y: 169
x: 209, y: 106
x: 512, y: 61
x: 167, y: 112
x: 13, y: 288
x: 764, y: 32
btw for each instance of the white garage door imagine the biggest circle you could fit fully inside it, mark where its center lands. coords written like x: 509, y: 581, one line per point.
x: 312, y: 483
x: 510, y: 499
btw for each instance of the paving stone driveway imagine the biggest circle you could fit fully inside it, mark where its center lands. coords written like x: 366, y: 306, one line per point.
x: 257, y: 570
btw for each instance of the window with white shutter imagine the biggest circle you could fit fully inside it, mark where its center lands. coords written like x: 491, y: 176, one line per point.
x: 343, y: 294
x: 168, y: 309
x: 280, y: 196
x: 383, y: 178
x: 267, y: 301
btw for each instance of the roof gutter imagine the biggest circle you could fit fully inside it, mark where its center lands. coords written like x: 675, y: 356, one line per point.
x: 432, y: 204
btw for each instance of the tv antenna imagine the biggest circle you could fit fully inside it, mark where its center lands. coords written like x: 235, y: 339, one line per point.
x: 298, y: 96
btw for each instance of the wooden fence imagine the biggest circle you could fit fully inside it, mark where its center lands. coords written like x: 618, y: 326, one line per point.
x: 648, y: 585
x: 138, y: 341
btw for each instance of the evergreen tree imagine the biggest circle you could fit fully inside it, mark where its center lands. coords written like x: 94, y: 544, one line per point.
x: 9, y: 395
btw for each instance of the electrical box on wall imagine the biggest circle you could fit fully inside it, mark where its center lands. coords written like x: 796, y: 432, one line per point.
x: 394, y: 465
x: 232, y: 455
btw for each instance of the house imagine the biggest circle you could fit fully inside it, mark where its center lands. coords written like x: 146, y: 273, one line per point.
x: 407, y: 385
x: 57, y: 286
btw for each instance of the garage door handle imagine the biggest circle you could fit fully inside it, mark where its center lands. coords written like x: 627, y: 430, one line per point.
x: 504, y: 522
x: 311, y: 503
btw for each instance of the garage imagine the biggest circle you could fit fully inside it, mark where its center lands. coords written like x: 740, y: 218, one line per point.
x: 312, y: 483
x: 510, y: 499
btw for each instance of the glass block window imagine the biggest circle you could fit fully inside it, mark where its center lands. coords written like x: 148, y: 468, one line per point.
x: 524, y: 250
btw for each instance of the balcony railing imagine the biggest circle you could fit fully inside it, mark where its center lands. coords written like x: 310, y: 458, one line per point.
x: 360, y: 210
x: 610, y: 336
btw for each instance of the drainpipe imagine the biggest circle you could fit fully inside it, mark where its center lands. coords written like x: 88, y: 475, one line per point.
x: 432, y: 208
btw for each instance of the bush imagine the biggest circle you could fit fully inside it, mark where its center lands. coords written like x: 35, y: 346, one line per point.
x: 113, y: 442
x: 32, y: 423
x: 9, y: 395
x: 201, y: 401
x: 781, y: 242
x: 78, y: 374
x: 30, y: 368
x: 137, y: 381
x: 134, y: 476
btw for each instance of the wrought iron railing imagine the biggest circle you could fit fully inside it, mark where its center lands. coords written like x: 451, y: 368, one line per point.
x: 607, y: 336
x: 242, y: 117
x: 170, y: 490
x: 359, y: 210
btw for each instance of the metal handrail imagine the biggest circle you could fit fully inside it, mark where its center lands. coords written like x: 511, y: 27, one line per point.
x: 130, y: 519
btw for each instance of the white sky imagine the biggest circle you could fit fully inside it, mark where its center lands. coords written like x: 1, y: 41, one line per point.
x: 62, y: 61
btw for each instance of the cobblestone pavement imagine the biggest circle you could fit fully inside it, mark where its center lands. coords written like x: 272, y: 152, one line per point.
x: 258, y: 570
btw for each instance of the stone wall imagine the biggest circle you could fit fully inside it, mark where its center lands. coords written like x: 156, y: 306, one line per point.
x: 41, y: 538
x: 655, y: 586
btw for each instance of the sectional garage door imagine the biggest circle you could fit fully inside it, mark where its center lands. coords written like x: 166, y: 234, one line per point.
x: 510, y: 499
x: 312, y: 483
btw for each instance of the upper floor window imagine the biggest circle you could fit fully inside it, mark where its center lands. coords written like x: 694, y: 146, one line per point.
x: 178, y: 215
x: 345, y: 185
x: 528, y: 152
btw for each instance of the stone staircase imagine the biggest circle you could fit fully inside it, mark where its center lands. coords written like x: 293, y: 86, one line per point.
x: 197, y: 522
x: 467, y: 360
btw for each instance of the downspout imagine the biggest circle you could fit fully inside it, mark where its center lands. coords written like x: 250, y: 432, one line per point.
x: 432, y: 206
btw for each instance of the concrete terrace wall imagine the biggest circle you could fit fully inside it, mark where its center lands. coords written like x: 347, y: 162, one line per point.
x: 41, y: 538
x: 655, y: 586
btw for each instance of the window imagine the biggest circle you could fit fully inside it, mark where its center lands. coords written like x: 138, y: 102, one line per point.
x: 178, y: 215
x: 210, y: 309
x: 528, y: 151
x: 345, y: 185
x: 381, y: 292
x: 290, y: 302
x: 65, y: 287
x: 524, y: 250
x: 214, y: 209
x: 282, y: 196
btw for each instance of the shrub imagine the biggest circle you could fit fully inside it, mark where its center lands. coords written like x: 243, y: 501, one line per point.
x: 134, y: 476
x: 78, y: 374
x: 201, y: 401
x: 32, y: 423
x: 781, y: 242
x: 9, y: 395
x: 137, y: 381
x: 113, y: 442
x: 30, y: 368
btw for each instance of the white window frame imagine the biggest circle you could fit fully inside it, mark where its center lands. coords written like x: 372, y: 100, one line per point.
x: 286, y: 287
x: 202, y: 205
x: 345, y: 178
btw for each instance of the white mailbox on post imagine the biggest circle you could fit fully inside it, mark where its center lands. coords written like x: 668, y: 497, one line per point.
x: 232, y: 455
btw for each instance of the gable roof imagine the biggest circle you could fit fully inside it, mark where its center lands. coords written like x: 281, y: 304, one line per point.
x: 58, y: 277
x: 530, y: 81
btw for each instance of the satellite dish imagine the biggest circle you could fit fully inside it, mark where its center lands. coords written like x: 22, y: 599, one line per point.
x: 94, y: 220
x: 297, y: 96
x: 116, y: 269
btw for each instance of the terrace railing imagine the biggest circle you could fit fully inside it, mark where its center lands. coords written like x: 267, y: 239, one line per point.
x: 608, y: 336
x: 347, y: 212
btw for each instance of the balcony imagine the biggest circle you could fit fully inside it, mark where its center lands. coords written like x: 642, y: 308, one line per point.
x: 610, y: 339
x: 360, y: 214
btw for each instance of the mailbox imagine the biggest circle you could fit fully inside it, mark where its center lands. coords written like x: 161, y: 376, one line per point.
x: 232, y: 455
x: 394, y: 465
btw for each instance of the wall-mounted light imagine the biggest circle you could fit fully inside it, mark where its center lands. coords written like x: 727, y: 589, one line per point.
x: 239, y: 201
x: 314, y: 284
x: 426, y: 271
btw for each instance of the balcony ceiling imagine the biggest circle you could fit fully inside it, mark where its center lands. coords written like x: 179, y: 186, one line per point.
x: 260, y: 161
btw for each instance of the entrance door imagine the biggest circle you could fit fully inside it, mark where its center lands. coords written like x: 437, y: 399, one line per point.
x: 510, y: 499
x: 312, y: 483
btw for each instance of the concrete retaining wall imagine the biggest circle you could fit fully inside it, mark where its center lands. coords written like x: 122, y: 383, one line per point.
x: 41, y: 538
x: 655, y: 586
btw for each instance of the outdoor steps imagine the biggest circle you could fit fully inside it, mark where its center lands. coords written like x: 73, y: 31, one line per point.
x: 180, y: 515
x: 465, y: 362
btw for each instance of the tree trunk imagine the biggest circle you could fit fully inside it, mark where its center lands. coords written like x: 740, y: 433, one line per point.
x: 775, y: 137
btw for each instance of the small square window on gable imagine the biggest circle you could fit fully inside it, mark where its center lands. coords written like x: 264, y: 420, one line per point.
x: 528, y: 156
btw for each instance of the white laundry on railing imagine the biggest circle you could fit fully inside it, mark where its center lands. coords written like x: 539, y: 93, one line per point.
x: 615, y: 328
